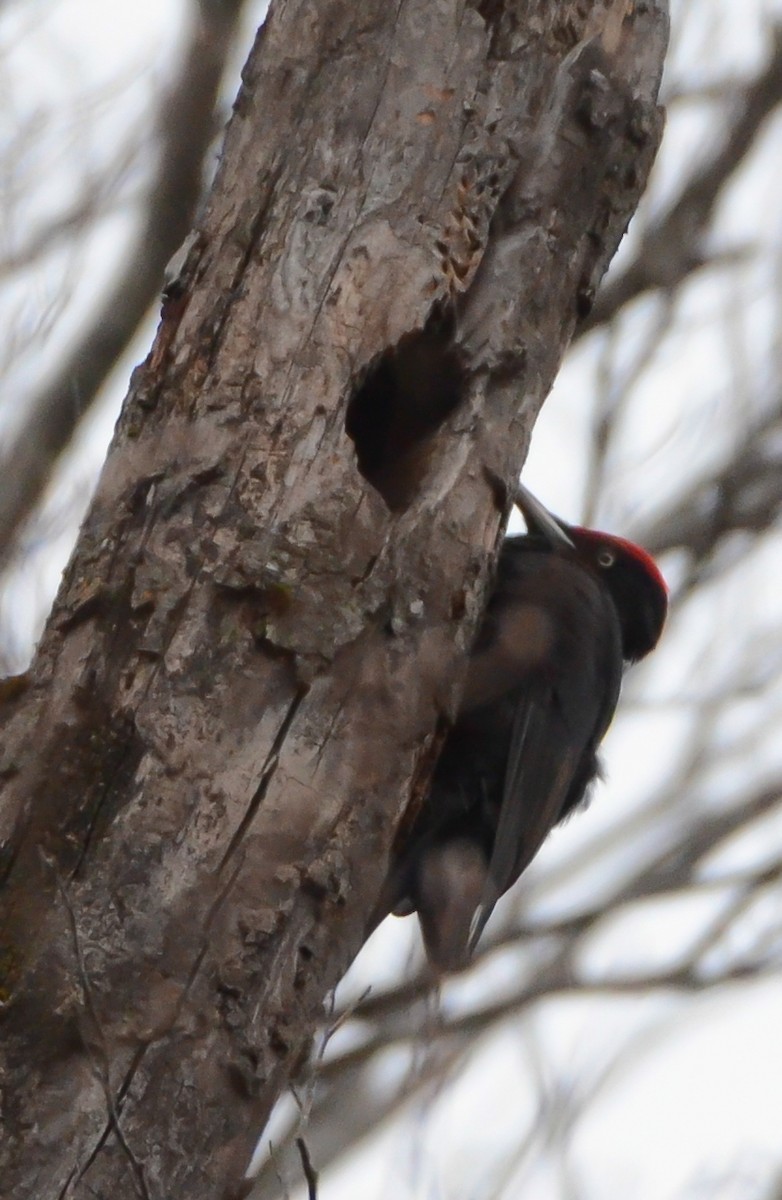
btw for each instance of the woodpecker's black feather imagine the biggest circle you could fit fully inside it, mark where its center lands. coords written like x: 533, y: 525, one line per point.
x: 569, y: 608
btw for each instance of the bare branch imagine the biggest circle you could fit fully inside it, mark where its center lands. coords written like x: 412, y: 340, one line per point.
x: 742, y: 495
x: 185, y: 126
x: 673, y: 246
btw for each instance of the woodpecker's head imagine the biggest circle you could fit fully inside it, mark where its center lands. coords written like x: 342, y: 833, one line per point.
x: 633, y: 579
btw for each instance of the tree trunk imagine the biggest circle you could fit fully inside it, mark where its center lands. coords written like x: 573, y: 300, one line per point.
x: 265, y: 618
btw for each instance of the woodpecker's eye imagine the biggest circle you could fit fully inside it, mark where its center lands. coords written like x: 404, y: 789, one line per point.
x: 606, y: 557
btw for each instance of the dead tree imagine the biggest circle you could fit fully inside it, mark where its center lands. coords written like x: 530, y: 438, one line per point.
x: 238, y: 691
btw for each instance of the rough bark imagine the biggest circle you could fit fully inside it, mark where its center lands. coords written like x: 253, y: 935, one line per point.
x: 236, y: 695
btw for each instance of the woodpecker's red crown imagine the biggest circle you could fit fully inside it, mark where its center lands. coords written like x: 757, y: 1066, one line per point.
x: 633, y: 579
x: 622, y: 546
x: 635, y: 582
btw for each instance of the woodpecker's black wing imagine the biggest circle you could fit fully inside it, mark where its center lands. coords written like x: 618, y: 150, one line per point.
x: 542, y: 684
x: 536, y: 784
x: 562, y: 695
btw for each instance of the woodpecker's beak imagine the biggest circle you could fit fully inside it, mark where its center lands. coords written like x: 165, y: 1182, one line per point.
x: 540, y: 520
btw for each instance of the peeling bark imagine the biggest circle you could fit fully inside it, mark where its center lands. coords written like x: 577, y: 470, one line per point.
x: 267, y: 611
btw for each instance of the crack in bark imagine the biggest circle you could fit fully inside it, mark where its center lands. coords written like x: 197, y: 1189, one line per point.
x: 101, y: 1067
x: 267, y: 774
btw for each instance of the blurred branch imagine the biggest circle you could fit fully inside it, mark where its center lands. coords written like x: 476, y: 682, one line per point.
x: 185, y: 124
x: 349, y: 1106
x: 672, y: 248
x: 741, y: 495
x: 614, y: 388
x: 347, y: 1099
x: 350, y: 1103
x: 672, y: 869
x: 98, y: 199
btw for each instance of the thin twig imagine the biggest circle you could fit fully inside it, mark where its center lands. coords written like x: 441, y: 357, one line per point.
x: 310, y: 1173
